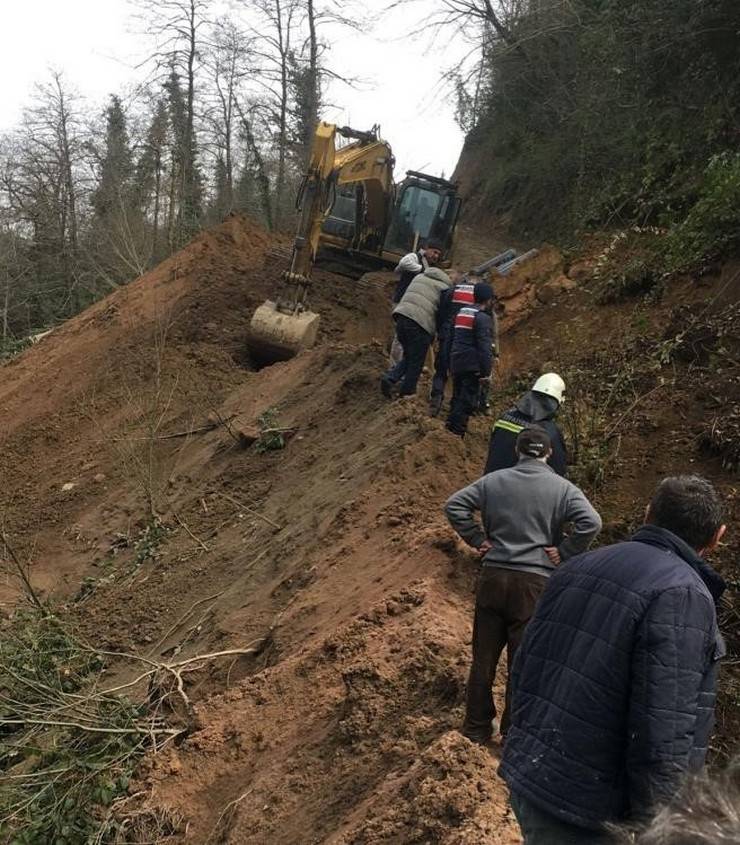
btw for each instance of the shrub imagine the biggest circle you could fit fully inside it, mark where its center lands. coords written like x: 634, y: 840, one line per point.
x: 712, y: 227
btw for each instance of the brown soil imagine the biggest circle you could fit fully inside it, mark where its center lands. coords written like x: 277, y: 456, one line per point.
x: 331, y: 553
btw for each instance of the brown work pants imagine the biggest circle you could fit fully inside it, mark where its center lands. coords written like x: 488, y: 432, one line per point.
x: 504, y: 603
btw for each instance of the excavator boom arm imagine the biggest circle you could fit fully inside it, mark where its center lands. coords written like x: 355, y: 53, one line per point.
x: 366, y: 160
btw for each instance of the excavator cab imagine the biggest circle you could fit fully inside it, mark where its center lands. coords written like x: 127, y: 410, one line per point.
x: 426, y: 208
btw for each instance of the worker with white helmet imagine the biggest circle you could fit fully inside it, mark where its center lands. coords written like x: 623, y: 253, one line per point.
x: 539, y: 406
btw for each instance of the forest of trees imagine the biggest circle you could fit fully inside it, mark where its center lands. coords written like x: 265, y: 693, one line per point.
x: 578, y: 114
x: 603, y: 113
x: 220, y: 120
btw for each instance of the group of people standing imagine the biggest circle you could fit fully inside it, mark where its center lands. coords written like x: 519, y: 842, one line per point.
x: 458, y: 310
x: 612, y: 654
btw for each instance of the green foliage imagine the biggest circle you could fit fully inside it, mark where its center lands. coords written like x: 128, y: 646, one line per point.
x: 631, y: 265
x: 12, y: 347
x: 271, y: 435
x: 148, y: 543
x: 606, y: 113
x: 43, y: 653
x: 712, y: 226
x: 70, y: 754
x: 636, y: 277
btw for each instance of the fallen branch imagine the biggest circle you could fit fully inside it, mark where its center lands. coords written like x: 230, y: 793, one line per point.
x: 138, y: 729
x: 190, y: 533
x: 612, y: 431
x: 228, y: 809
x: 254, y: 648
x: 203, y: 429
x: 182, y: 619
x: 23, y: 576
x: 251, y: 511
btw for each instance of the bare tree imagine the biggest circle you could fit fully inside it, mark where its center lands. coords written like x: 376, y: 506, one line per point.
x: 43, y: 187
x: 314, y: 86
x: 228, y: 63
x: 275, y: 40
x: 177, y: 27
x: 54, y: 127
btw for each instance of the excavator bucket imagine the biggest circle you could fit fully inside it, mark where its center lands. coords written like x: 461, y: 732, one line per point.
x: 276, y: 335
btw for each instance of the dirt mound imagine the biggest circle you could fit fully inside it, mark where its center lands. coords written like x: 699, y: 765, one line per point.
x: 324, y: 736
x: 307, y: 557
x: 139, y: 477
x: 446, y: 796
x: 153, y: 360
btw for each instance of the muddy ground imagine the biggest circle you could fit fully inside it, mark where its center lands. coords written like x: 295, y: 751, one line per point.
x: 329, y: 559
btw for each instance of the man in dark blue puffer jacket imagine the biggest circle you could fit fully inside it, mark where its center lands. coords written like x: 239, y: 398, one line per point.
x: 614, y: 682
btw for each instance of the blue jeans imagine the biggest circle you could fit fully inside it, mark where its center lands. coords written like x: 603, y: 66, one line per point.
x: 415, y: 343
x: 541, y: 828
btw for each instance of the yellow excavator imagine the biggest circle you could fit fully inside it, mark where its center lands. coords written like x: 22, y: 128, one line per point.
x: 352, y: 219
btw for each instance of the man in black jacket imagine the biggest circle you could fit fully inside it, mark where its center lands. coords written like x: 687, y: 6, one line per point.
x: 614, y: 682
x: 538, y: 406
x: 471, y: 359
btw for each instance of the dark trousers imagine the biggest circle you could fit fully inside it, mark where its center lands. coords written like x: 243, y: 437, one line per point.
x: 415, y: 343
x: 441, y: 364
x: 541, y: 828
x: 504, y: 603
x: 465, y: 396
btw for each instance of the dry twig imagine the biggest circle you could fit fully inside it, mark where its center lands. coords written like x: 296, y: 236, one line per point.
x: 251, y: 511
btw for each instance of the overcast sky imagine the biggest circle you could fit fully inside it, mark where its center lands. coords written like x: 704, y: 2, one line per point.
x: 94, y: 43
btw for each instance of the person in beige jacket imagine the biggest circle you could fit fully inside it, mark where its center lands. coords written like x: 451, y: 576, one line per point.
x: 416, y: 324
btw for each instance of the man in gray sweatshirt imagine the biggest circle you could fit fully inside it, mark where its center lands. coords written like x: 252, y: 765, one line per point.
x: 523, y: 512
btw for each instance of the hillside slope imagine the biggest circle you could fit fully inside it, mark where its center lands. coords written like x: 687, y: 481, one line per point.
x: 328, y: 562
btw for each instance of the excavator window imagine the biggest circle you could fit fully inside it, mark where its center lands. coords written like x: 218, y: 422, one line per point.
x: 341, y: 221
x: 414, y: 214
x: 424, y: 210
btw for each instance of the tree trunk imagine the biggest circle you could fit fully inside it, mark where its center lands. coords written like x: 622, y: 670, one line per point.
x: 189, y: 162
x: 283, y: 130
x: 172, y: 214
x: 157, y: 193
x: 313, y: 69
x: 6, y: 307
x: 262, y: 178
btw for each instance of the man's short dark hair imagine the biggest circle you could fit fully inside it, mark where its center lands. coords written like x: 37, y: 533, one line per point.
x: 435, y: 243
x: 689, y: 507
x: 533, y: 442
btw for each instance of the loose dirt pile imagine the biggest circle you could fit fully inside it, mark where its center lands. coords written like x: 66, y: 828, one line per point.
x: 329, y: 560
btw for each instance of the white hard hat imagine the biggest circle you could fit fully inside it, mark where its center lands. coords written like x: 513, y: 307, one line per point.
x: 551, y: 385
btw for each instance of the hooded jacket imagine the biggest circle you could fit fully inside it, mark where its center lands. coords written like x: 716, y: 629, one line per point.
x: 615, y: 681
x: 531, y: 407
x: 420, y: 303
